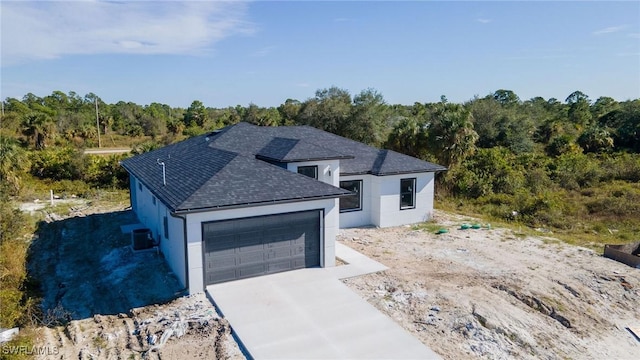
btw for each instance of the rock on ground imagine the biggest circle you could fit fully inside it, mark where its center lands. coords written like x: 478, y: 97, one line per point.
x: 493, y: 294
x: 186, y: 328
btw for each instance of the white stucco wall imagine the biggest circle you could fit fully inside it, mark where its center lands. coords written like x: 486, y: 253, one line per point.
x: 146, y: 211
x: 152, y: 217
x: 173, y: 248
x: 194, y: 232
x: 359, y: 217
x: 381, y: 201
x: 328, y: 170
x: 387, y: 189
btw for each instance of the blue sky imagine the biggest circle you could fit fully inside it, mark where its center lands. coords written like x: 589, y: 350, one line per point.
x: 229, y: 53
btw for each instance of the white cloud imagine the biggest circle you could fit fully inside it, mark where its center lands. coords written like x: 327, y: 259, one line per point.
x: 48, y: 30
x: 483, y: 20
x: 609, y: 30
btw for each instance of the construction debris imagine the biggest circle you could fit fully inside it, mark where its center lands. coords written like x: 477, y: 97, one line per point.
x: 626, y: 254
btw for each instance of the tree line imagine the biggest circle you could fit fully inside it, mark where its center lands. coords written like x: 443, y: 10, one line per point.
x: 536, y: 137
x: 497, y: 119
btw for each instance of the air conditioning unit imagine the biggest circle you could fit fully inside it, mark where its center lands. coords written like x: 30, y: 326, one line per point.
x: 142, y: 239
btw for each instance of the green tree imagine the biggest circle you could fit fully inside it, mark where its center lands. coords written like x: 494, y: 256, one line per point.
x: 328, y: 110
x: 13, y: 162
x: 486, y: 115
x: 369, y: 119
x: 506, y: 97
x: 602, y: 106
x: 451, y: 134
x: 196, y: 114
x: 596, y: 139
x: 38, y: 127
x: 176, y: 127
x: 63, y: 163
x: 262, y: 116
x: 409, y: 136
x: 289, y: 111
x: 579, y: 109
x: 562, y: 144
x: 624, y: 125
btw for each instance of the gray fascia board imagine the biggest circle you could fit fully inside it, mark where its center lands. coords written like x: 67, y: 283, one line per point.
x: 389, y: 173
x: 368, y: 172
x: 261, y: 203
x: 262, y: 157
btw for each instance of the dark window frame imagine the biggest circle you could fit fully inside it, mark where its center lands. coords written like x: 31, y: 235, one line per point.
x: 412, y: 192
x: 153, y: 199
x: 358, y: 194
x: 315, y: 170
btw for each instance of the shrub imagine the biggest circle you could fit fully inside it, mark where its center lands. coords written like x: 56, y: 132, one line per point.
x: 105, y: 171
x: 57, y: 164
x: 13, y: 251
x: 621, y: 167
x: 573, y: 171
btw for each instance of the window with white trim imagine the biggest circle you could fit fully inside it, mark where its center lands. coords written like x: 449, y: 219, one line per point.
x: 407, y: 194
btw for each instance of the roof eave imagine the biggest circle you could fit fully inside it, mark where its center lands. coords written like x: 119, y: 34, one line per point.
x: 260, y: 203
x: 389, y: 173
x: 342, y: 157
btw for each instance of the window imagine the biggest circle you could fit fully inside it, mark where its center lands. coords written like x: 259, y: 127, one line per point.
x: 166, y: 227
x: 351, y: 202
x: 153, y: 200
x: 310, y: 171
x: 407, y: 194
x: 140, y: 186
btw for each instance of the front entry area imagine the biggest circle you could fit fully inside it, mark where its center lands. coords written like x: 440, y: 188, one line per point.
x: 247, y: 247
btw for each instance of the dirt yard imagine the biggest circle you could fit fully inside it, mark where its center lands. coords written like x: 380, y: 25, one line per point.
x: 474, y: 293
x: 490, y: 293
x: 187, y: 328
x: 100, y: 299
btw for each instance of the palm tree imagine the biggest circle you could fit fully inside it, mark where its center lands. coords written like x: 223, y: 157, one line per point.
x: 38, y: 126
x: 452, y: 137
x: 409, y: 137
x: 13, y: 161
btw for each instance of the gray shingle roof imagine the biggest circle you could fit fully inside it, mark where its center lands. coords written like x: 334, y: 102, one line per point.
x: 223, y: 169
x: 199, y: 176
x: 291, y: 150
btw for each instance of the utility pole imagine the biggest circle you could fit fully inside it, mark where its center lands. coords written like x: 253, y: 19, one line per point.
x: 98, y: 124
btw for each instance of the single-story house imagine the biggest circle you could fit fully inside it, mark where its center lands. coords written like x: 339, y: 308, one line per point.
x: 247, y: 200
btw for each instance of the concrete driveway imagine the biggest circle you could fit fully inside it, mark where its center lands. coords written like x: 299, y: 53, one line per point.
x: 311, y: 314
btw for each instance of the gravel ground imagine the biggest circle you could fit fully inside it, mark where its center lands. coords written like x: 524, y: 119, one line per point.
x: 475, y: 293
x: 113, y: 302
x: 490, y: 293
x: 186, y: 328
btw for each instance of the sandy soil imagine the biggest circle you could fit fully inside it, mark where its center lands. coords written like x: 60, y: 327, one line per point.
x: 100, y: 298
x: 496, y: 295
x: 187, y: 328
x: 466, y: 294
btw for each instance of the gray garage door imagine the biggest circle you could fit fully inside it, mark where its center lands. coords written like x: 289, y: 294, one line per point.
x: 242, y: 248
